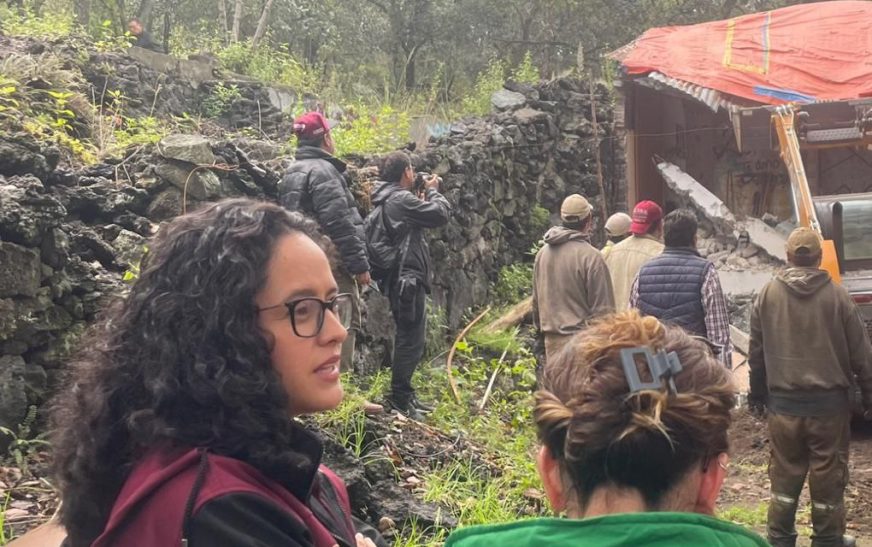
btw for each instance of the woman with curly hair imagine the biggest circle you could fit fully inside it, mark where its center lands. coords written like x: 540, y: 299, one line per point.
x: 633, y: 420
x: 175, y: 424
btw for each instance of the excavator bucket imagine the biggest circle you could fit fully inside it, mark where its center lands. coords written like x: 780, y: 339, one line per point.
x: 829, y: 260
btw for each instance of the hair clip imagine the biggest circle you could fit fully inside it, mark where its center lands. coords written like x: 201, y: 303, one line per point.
x: 662, y: 366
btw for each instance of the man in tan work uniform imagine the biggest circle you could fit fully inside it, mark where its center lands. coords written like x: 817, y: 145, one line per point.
x: 627, y: 257
x: 571, y: 283
x: 808, y: 342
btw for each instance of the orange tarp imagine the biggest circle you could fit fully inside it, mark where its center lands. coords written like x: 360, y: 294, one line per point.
x: 803, y: 53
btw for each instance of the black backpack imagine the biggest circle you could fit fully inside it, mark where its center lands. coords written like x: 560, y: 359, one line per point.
x: 384, y: 253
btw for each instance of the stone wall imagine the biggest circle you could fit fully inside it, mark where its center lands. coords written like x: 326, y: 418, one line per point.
x: 506, y: 175
x: 68, y: 237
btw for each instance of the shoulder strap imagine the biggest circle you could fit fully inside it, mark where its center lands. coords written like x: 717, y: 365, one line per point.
x: 404, y: 244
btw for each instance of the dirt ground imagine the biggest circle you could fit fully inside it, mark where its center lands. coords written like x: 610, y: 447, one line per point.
x: 746, y: 491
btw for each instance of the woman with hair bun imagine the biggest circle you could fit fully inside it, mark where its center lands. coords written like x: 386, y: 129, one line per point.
x: 633, y: 418
x: 175, y: 425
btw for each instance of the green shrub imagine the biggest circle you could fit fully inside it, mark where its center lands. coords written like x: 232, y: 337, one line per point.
x: 371, y: 130
x: 110, y: 40
x: 477, y: 103
x: 267, y: 65
x: 540, y: 219
x: 51, y: 25
x: 515, y: 282
x: 220, y: 100
x: 138, y: 131
x: 526, y: 72
x: 491, y: 80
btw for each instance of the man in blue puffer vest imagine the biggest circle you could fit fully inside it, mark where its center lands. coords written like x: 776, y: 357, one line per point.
x: 682, y: 288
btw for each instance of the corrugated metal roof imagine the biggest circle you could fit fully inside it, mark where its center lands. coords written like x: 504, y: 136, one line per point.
x: 709, y: 97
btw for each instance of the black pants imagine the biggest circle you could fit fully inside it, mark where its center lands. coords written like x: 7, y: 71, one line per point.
x: 408, y: 307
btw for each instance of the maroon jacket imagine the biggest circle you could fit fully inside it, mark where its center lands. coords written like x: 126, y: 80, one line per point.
x: 215, y: 500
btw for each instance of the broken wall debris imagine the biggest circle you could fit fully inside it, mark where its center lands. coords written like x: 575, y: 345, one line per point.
x: 730, y: 243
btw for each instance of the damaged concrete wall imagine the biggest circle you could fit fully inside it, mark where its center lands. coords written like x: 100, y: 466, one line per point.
x: 702, y: 143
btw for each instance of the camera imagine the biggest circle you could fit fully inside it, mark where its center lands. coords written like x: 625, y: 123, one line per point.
x: 420, y: 179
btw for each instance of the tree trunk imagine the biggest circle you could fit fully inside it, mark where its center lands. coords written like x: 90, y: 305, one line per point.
x: 222, y: 5
x: 410, y: 72
x: 166, y: 36
x: 144, y: 13
x: 237, y: 18
x: 262, y: 24
x: 83, y: 13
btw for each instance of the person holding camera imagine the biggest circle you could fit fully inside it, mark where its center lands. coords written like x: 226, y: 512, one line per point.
x: 406, y: 211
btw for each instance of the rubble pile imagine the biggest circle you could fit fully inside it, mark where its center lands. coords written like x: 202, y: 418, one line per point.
x: 731, y: 244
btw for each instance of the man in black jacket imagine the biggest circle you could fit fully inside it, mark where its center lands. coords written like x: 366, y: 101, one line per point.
x: 143, y: 37
x: 315, y: 185
x: 406, y: 215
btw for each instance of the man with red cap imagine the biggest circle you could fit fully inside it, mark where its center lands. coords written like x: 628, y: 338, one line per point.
x: 315, y: 184
x: 627, y: 257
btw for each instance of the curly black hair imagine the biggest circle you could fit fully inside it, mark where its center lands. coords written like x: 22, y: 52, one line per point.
x: 180, y: 361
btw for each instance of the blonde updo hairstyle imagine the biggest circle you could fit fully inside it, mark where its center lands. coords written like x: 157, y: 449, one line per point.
x: 602, y: 435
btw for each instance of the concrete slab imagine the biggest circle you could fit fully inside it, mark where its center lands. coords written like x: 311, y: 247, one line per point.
x: 744, y: 282
x: 706, y: 202
x: 769, y: 240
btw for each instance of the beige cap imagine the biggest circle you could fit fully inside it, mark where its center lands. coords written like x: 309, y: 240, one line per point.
x: 804, y: 242
x: 618, y: 225
x: 574, y: 207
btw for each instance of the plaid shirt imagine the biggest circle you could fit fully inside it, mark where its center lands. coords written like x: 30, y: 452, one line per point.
x: 714, y: 304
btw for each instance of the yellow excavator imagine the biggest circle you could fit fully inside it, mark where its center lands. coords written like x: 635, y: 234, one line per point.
x: 784, y: 119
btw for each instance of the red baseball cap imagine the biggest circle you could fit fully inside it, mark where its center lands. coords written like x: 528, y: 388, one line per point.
x: 312, y: 125
x: 645, y: 214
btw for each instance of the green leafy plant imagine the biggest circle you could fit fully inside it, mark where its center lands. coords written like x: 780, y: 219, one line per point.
x: 8, y: 90
x: 268, y: 65
x: 515, y: 282
x: 220, y: 99
x: 526, y: 71
x: 23, y: 443
x: 110, y: 40
x: 25, y: 21
x: 370, y: 130
x: 138, y: 131
x: 477, y: 103
x: 132, y: 273
x: 540, y: 219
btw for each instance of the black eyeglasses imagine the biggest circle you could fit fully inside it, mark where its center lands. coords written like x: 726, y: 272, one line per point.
x: 307, y: 314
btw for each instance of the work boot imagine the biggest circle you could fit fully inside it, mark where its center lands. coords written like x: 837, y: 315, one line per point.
x: 847, y: 541
x: 408, y: 410
x: 372, y: 409
x: 423, y: 407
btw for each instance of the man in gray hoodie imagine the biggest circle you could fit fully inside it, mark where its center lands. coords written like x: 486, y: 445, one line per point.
x: 571, y: 283
x: 808, y: 343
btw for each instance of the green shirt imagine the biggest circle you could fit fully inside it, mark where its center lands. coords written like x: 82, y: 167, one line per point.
x: 656, y: 529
